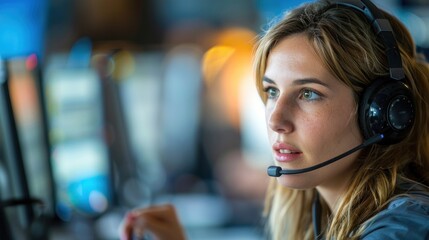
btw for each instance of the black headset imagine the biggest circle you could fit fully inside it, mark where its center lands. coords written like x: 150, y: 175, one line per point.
x: 386, y: 106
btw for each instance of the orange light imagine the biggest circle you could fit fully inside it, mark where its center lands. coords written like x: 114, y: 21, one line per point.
x: 214, y: 60
x: 236, y: 47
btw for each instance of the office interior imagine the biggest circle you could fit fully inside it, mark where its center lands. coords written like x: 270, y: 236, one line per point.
x: 108, y: 106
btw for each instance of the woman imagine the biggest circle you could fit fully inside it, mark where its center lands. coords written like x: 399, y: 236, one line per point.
x: 312, y: 67
x: 313, y: 70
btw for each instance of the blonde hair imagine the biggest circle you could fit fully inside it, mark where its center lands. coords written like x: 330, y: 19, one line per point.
x: 352, y: 52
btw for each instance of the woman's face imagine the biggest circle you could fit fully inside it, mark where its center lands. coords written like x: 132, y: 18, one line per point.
x: 310, y: 115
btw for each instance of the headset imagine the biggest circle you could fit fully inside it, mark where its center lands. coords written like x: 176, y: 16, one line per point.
x: 386, y: 106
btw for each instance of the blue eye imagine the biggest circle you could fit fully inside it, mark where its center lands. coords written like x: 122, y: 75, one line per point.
x: 271, y: 92
x: 309, y: 95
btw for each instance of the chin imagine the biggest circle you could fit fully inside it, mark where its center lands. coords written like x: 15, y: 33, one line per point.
x: 298, y: 182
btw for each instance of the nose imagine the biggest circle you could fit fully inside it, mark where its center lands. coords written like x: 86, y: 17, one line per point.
x: 279, y: 117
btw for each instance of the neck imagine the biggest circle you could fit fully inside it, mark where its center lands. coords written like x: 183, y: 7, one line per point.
x: 332, y: 192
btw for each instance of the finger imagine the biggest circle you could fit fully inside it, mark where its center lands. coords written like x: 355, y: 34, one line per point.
x: 139, y: 227
x: 126, y: 229
x: 163, y: 229
x: 153, y: 210
x: 161, y: 212
x: 160, y: 220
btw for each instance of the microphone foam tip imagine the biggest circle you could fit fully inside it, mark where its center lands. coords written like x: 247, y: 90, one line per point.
x: 274, y: 171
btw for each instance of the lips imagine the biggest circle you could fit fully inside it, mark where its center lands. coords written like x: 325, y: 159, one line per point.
x: 285, y: 153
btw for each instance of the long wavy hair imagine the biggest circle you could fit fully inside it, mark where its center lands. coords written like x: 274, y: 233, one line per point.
x: 349, y: 48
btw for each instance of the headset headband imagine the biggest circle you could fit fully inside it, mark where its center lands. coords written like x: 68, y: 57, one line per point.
x: 383, y: 29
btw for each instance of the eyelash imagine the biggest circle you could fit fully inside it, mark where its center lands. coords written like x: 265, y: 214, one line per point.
x: 267, y: 92
x: 301, y: 93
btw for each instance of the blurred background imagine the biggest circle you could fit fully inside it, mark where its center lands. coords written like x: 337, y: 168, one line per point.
x: 107, y: 106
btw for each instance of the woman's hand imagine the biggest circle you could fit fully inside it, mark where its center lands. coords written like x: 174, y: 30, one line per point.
x: 161, y: 221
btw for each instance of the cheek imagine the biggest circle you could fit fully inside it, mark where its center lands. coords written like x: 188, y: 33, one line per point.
x: 268, y: 111
x: 329, y: 127
x: 346, y: 122
x: 341, y: 129
x: 314, y: 125
x: 267, y: 114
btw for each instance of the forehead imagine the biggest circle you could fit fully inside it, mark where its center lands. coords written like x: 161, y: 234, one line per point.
x: 294, y: 50
x: 294, y: 57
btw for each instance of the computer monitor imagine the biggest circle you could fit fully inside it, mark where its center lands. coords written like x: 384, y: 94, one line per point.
x: 79, y: 154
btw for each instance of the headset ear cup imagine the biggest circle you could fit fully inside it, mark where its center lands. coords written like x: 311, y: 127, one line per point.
x: 386, y: 107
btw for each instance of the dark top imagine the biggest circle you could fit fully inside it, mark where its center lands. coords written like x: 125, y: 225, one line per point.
x: 406, y: 217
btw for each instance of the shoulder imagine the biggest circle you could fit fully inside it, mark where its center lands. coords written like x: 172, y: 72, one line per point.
x: 406, y: 217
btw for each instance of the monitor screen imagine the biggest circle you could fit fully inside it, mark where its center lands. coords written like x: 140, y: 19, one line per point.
x: 79, y: 155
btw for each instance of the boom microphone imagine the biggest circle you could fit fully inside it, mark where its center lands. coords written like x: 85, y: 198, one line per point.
x: 276, y: 171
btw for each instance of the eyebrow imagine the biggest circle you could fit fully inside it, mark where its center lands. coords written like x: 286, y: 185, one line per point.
x: 300, y: 81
